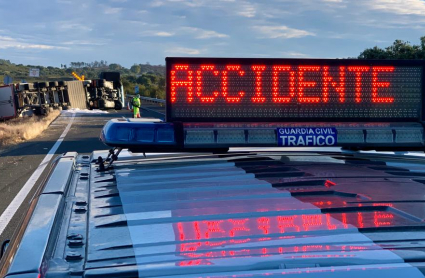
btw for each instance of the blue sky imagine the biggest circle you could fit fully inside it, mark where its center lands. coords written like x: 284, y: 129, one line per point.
x: 54, y: 32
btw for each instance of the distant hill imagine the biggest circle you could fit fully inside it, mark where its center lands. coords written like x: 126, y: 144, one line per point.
x: 149, y: 78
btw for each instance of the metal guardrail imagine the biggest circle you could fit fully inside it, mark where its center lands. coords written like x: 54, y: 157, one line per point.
x: 156, y: 100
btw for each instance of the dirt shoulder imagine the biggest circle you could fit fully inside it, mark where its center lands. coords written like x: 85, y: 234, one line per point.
x: 22, y: 129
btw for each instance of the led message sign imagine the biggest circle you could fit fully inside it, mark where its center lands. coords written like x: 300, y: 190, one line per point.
x: 221, y: 89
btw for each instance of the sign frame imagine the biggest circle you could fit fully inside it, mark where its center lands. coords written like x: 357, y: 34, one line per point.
x: 297, y: 61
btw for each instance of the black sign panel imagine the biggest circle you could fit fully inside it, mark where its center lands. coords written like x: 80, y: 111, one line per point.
x: 221, y: 89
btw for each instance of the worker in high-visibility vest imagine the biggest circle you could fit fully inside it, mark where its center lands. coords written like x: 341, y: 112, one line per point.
x: 136, y: 106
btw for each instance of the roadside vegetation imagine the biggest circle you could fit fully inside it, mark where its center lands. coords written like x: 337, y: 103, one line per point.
x: 21, y: 129
x: 149, y: 78
x: 399, y: 50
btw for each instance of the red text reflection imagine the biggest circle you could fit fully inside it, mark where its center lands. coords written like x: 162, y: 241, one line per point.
x: 200, y: 239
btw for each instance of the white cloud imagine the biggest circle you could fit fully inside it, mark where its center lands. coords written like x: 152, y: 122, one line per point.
x: 8, y: 42
x: 247, y: 11
x: 30, y: 46
x: 333, y: 1
x: 111, y: 10
x: 84, y: 42
x: 261, y: 55
x: 156, y: 34
x: 67, y: 2
x: 66, y: 25
x: 157, y: 3
x: 294, y: 54
x: 204, y: 34
x: 190, y: 3
x: 183, y: 50
x: 274, y: 32
x: 164, y: 34
x: 407, y: 7
x: 3, y: 38
x: 142, y: 23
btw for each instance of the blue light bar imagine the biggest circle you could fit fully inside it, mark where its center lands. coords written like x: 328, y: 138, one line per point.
x: 143, y: 135
x: 138, y: 132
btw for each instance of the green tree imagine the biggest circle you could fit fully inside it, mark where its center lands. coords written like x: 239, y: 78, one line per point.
x: 144, y: 80
x: 398, y: 50
x: 374, y: 53
x: 135, y: 69
x: 115, y: 66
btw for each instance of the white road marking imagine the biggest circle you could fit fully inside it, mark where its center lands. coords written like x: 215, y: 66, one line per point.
x: 23, y: 193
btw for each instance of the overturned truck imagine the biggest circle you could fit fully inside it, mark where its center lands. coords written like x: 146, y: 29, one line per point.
x: 42, y: 97
x: 106, y: 92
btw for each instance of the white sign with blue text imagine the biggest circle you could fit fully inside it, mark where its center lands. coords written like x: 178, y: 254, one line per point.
x: 306, y: 136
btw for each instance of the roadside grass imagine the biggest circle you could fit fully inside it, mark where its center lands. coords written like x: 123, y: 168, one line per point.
x: 23, y: 129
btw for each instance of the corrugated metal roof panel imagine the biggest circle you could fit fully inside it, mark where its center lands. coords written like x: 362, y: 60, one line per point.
x: 253, y: 215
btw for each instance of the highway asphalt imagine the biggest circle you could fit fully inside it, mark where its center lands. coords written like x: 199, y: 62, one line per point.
x: 18, y: 163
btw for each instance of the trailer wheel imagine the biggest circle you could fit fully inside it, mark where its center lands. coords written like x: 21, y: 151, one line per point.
x: 118, y: 105
x: 37, y: 111
x: 53, y: 83
x: 43, y: 84
x: 101, y: 104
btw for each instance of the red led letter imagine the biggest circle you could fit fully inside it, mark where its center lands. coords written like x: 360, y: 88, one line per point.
x: 286, y: 222
x: 225, y: 83
x: 199, y: 86
x: 181, y: 83
x: 264, y: 224
x: 258, y: 88
x: 327, y: 79
x: 382, y: 216
x: 376, y: 84
x: 304, y: 84
x: 275, y: 87
x: 213, y: 227
x: 312, y: 220
x: 238, y: 226
x: 358, y: 71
